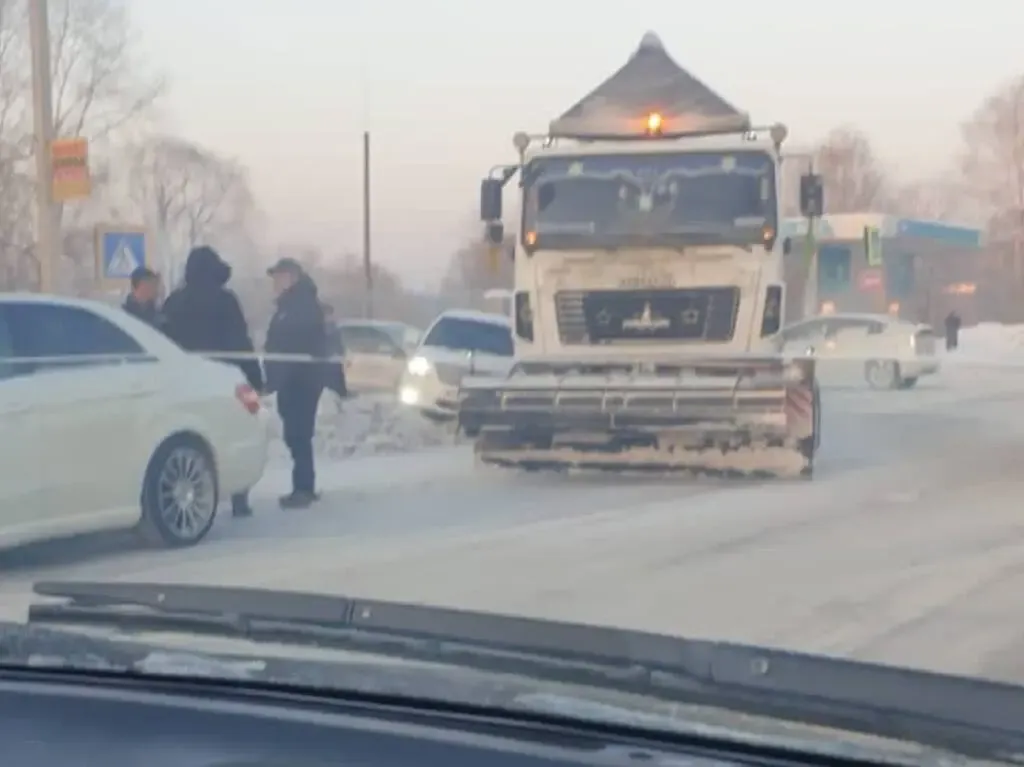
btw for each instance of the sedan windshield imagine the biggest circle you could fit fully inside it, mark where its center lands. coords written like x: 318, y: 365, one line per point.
x: 468, y: 335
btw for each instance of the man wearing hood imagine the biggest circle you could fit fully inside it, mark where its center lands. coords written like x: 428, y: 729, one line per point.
x: 203, y: 316
x: 297, y: 328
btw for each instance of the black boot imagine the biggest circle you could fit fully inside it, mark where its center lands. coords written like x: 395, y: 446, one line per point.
x: 240, y: 505
x: 297, y: 500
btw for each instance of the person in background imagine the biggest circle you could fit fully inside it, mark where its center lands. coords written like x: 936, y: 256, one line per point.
x: 203, y: 316
x: 334, y: 371
x: 953, y: 323
x: 297, y: 328
x: 141, y: 302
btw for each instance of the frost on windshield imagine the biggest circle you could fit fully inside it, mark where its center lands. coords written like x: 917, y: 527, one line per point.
x: 727, y: 197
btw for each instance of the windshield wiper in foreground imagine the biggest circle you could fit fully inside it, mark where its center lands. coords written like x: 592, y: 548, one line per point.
x: 974, y: 717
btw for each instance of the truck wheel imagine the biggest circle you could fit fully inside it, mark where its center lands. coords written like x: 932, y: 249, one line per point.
x: 882, y: 374
x: 179, y: 494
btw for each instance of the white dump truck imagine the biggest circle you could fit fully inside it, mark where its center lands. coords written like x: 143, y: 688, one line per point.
x: 648, y: 289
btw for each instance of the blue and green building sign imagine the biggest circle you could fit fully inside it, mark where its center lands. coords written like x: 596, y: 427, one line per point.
x: 867, y: 261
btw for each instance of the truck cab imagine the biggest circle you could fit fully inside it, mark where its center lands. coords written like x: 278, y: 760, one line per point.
x: 648, y: 284
x: 657, y: 243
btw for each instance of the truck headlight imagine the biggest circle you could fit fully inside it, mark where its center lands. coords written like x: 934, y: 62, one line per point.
x: 797, y: 371
x: 418, y: 366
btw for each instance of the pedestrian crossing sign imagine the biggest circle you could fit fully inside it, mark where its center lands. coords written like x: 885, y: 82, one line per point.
x: 120, y: 250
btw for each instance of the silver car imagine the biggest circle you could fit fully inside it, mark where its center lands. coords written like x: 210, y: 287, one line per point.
x: 458, y: 343
x: 375, y: 353
x: 883, y: 351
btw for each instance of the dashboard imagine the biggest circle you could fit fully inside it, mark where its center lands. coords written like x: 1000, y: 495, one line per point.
x: 51, y: 718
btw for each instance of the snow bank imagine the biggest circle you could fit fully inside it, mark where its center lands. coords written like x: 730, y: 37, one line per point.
x: 988, y: 344
x: 377, y: 424
x: 367, y: 425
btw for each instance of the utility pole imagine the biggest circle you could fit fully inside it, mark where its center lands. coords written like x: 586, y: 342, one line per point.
x: 47, y: 215
x: 367, y: 262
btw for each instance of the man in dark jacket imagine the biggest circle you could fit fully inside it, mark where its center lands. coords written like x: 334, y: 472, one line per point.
x: 952, y: 330
x: 334, y: 371
x: 142, y: 300
x: 203, y: 316
x: 297, y: 328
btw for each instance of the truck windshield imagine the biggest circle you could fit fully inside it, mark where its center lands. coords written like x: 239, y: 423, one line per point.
x: 679, y: 199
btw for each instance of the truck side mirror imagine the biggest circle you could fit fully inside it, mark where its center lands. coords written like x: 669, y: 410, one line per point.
x: 495, y: 233
x: 490, y: 199
x: 812, y: 195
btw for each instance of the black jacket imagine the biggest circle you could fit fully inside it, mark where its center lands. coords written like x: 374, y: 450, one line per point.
x: 335, y: 343
x: 297, y: 327
x: 147, y: 312
x: 204, y: 316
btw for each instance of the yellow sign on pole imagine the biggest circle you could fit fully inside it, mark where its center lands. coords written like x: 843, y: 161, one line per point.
x: 70, y: 162
x: 494, y: 257
x: 873, y: 245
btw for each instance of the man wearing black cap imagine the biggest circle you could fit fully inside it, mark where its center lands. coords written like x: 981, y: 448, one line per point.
x: 141, y: 301
x: 297, y: 328
x: 203, y: 316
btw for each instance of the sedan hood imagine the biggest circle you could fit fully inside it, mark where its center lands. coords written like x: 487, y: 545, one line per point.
x: 479, y: 362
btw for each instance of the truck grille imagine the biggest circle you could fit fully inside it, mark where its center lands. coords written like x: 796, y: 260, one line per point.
x: 617, y: 316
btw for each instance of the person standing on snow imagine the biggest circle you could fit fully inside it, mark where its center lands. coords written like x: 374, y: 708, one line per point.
x: 297, y: 328
x: 203, y: 316
x: 952, y: 330
x: 141, y: 302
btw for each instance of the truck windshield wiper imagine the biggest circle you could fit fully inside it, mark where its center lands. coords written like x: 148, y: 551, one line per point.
x: 975, y: 717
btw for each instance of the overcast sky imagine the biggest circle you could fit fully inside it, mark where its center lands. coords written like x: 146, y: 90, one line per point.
x: 288, y: 86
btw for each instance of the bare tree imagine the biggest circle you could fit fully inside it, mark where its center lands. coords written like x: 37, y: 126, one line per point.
x: 100, y: 84
x: 101, y: 91
x: 993, y: 160
x: 854, y: 178
x: 188, y: 194
x: 993, y: 169
x: 939, y: 198
x: 475, y: 268
x: 16, y: 261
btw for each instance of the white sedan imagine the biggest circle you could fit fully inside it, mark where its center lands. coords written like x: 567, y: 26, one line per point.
x: 375, y: 353
x: 458, y: 343
x: 884, y: 351
x: 108, y: 424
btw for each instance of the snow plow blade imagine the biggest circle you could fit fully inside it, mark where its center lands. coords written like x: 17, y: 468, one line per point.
x: 750, y: 416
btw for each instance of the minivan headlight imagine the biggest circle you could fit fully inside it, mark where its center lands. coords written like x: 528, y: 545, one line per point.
x: 418, y: 366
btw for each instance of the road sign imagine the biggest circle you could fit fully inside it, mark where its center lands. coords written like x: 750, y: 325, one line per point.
x: 120, y: 250
x: 70, y: 160
x: 870, y: 279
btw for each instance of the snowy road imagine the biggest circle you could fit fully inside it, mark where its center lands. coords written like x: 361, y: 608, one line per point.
x: 908, y: 546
